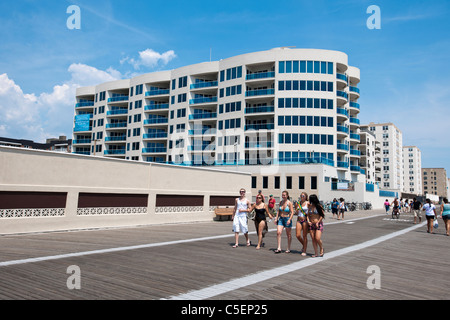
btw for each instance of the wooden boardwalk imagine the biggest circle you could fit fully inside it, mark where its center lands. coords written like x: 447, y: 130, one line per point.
x: 182, y: 258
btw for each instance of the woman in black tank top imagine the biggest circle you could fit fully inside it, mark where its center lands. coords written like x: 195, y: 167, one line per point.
x: 261, y: 209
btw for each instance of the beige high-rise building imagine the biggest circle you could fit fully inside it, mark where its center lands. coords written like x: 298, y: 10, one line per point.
x: 412, y: 168
x: 435, y: 181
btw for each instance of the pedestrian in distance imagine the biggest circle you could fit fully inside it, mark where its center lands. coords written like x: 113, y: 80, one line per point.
x: 315, y: 220
x: 445, y: 214
x: 387, y: 205
x: 302, y: 227
x: 341, y: 208
x: 284, y: 221
x: 272, y: 202
x: 395, y: 208
x: 240, y: 223
x: 430, y: 213
x: 415, y: 207
x: 261, y: 209
x: 334, y: 207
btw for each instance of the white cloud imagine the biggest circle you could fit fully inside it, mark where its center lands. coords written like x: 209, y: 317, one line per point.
x: 50, y: 114
x: 150, y: 58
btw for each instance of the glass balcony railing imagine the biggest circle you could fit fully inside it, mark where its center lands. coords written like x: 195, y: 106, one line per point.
x: 250, y: 110
x: 265, y: 126
x: 341, y: 76
x: 118, y: 98
x: 355, y: 152
x: 84, y: 104
x: 354, y: 105
x: 342, y: 111
x: 261, y: 75
x: 206, y: 84
x: 156, y: 107
x: 203, y: 100
x: 157, y: 92
x: 261, y: 92
x: 202, y: 131
x: 259, y: 145
x: 342, y: 94
x: 355, y: 168
x: 80, y: 141
x: 154, y: 150
x: 342, y: 129
x: 354, y: 120
x: 156, y: 120
x: 342, y: 146
x: 115, y: 151
x: 118, y: 138
x: 342, y: 164
x: 354, y: 89
x: 206, y: 115
x: 116, y: 125
x: 155, y: 135
x: 355, y: 136
x: 116, y: 112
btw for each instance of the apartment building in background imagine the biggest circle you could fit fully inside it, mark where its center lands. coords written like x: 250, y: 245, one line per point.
x: 435, y: 181
x: 370, y: 160
x: 412, y: 168
x: 391, y: 144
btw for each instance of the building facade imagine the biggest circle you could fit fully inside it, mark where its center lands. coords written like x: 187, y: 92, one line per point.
x: 412, y: 167
x: 391, y: 144
x: 281, y: 106
x: 370, y: 156
x: 435, y: 181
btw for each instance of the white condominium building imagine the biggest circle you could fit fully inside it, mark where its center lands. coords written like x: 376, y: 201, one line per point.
x: 281, y: 106
x: 370, y: 156
x: 412, y: 167
x: 391, y: 144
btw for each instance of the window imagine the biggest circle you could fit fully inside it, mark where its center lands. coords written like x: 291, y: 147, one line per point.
x: 277, y: 182
x: 288, y: 182
x: 301, y: 182
x: 265, y: 182
x: 253, y: 182
x: 313, y: 183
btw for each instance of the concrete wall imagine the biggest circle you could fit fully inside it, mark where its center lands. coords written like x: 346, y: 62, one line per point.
x: 25, y: 174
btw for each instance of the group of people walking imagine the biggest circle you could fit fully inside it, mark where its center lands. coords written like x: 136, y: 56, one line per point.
x: 415, y: 206
x: 309, y: 212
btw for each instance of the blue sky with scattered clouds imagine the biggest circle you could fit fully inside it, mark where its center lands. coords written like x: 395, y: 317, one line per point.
x: 405, y: 72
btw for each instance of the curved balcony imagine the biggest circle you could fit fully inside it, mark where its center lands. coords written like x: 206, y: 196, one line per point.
x: 342, y: 147
x: 355, y: 137
x: 342, y: 114
x: 341, y: 130
x: 264, y: 126
x: 354, y: 92
x: 342, y: 97
x: 341, y: 81
x: 355, y: 153
x: 354, y: 122
x: 355, y: 168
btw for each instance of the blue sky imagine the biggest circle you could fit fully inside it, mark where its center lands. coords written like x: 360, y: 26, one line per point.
x: 405, y: 72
